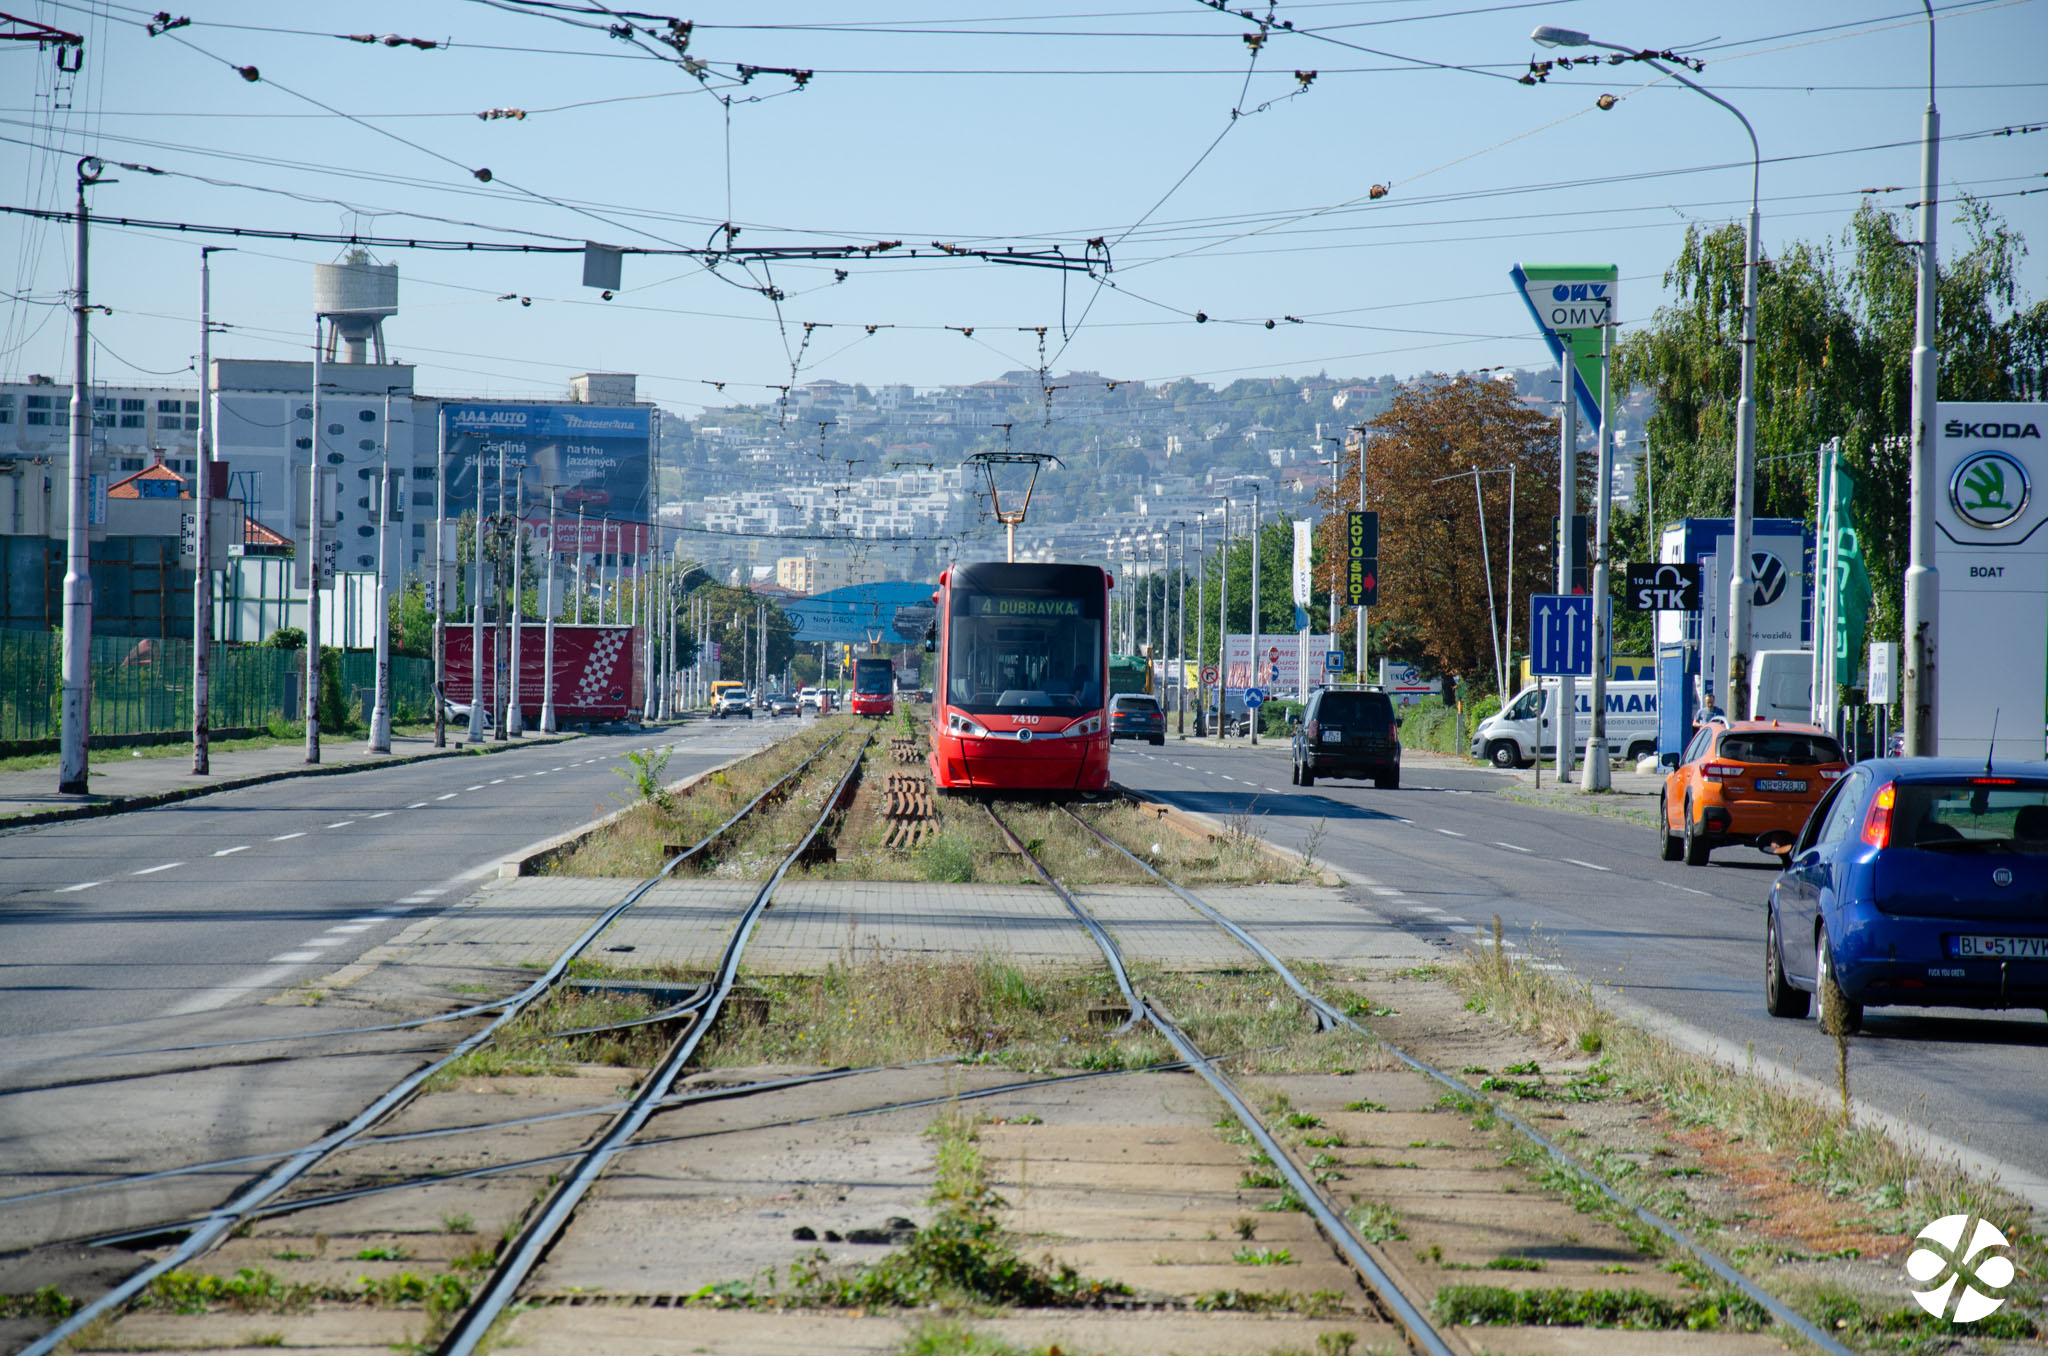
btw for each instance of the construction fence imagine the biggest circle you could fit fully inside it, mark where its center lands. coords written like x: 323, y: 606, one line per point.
x: 144, y: 687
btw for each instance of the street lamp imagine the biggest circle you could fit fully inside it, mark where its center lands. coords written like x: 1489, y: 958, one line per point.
x: 1922, y: 603
x: 1735, y: 670
x: 380, y: 712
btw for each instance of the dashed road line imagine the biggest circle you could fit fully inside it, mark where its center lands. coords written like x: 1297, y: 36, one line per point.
x: 229, y: 852
x: 82, y: 885
x: 1450, y: 833
x: 1588, y: 865
x: 287, y: 837
x: 349, y: 927
x: 1384, y: 890
x: 417, y: 805
x: 450, y: 795
x: 152, y: 870
x: 497, y: 781
x: 341, y: 823
x: 1511, y: 847
x: 379, y: 815
x: 294, y: 957
x: 478, y: 787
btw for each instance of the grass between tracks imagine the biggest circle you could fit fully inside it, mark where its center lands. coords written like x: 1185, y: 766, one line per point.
x: 632, y: 845
x: 528, y: 1045
x: 1824, y: 1185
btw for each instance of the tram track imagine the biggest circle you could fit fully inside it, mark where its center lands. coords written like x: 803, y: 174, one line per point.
x: 1328, y: 1017
x: 201, y: 1235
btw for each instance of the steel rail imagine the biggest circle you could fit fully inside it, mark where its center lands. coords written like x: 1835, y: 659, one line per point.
x: 1706, y: 1256
x: 1422, y: 1334
x: 219, y: 1223
x: 465, y: 1335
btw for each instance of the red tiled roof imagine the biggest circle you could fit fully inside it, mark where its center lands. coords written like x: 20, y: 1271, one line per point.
x: 130, y: 487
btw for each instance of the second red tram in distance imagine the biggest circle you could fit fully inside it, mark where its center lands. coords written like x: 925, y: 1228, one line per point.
x: 1023, y: 653
x: 874, y: 687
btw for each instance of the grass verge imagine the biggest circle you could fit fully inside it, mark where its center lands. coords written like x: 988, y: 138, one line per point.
x: 528, y: 1047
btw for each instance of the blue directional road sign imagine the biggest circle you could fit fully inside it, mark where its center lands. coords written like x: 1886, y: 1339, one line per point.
x: 1561, y: 635
x: 1255, y: 696
x: 1334, y: 661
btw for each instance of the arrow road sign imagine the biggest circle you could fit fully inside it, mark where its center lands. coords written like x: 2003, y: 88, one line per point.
x: 1208, y: 675
x: 1561, y: 635
x: 1254, y: 696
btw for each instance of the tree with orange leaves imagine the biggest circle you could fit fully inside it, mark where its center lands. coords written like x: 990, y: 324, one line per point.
x: 1433, y: 582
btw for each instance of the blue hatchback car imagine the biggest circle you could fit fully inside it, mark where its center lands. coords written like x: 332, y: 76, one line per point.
x: 1916, y: 881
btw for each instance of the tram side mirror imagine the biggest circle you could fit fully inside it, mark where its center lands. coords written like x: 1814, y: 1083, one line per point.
x: 1668, y: 761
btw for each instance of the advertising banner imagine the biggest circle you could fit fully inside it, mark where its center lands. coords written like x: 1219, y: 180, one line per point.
x: 596, y: 456
x: 1570, y: 303
x: 594, y: 677
x: 1283, y: 648
x: 1361, y: 559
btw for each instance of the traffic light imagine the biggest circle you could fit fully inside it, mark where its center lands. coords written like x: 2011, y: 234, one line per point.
x: 1581, y: 548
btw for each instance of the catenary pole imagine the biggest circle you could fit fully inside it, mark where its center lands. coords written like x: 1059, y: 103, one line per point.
x: 515, y: 701
x: 202, y: 494
x: 440, y: 577
x: 1201, y: 617
x: 1253, y: 715
x: 547, y: 648
x: 1597, y: 777
x: 74, y: 772
x: 476, y: 612
x: 314, y: 561
x: 1564, y: 715
x: 380, y: 708
x: 1922, y: 609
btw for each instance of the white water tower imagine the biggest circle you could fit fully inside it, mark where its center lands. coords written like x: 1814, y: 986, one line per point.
x: 354, y: 297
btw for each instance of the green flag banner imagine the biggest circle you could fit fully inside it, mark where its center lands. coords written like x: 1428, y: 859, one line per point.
x: 1851, y: 584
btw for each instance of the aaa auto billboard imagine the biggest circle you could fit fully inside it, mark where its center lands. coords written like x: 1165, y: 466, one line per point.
x: 594, y: 455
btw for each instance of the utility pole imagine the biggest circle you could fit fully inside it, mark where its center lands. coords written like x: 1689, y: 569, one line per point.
x: 579, y: 564
x: 515, y: 713
x: 1180, y: 644
x: 202, y: 573
x: 73, y: 773
x: 1923, y: 584
x: 1597, y: 776
x: 380, y: 712
x: 314, y: 563
x: 476, y: 608
x: 547, y: 648
x: 440, y: 577
x: 1566, y: 713
x: 1253, y: 714
x: 500, y: 641
x: 1364, y: 675
x: 1201, y: 617
x: 1223, y: 629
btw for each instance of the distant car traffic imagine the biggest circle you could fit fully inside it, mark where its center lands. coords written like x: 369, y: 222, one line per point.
x: 1917, y: 881
x: 1751, y: 784
x: 1134, y: 715
x: 1348, y: 732
x: 732, y: 702
x: 807, y: 699
x: 782, y: 704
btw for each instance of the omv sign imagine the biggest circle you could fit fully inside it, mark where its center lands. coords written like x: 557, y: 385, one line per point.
x: 1573, y: 305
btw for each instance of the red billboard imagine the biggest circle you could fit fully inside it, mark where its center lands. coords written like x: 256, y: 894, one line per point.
x: 596, y: 669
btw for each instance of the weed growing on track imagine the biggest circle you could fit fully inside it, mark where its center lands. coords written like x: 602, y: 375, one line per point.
x: 882, y: 1009
x: 1853, y: 1170
x: 631, y: 846
x: 254, y: 1290
x: 1233, y: 857
x: 1474, y: 1305
x: 527, y: 1046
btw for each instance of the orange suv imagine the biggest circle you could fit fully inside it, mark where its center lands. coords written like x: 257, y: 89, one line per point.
x: 1751, y: 783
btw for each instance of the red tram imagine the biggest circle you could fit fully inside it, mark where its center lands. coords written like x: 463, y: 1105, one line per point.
x: 1023, y: 654
x: 874, y: 687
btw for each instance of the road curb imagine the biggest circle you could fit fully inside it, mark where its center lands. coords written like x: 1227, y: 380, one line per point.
x: 1203, y: 827
x: 124, y: 804
x: 530, y: 860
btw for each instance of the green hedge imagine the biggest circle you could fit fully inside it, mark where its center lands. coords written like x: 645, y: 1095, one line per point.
x: 1430, y: 724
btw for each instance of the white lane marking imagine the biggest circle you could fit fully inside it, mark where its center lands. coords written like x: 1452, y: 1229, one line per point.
x: 517, y: 775
x: 1588, y: 865
x: 1689, y: 890
x: 1509, y: 846
x: 380, y: 814
x: 1426, y: 908
x: 210, y: 999
x: 1399, y: 820
x: 82, y: 885
x: 229, y: 852
x: 1450, y: 833
x: 1378, y: 889
x: 1228, y: 778
x: 1274, y: 789
x: 671, y: 747
x: 342, y: 927
x: 339, y: 823
x: 478, y: 787
x: 152, y: 870
x: 495, y: 781
x: 322, y: 941
x: 429, y: 894
x: 294, y: 957
x: 418, y: 804
x: 417, y: 899
x: 371, y: 918
x: 447, y: 795
x: 1548, y: 965
x: 287, y: 837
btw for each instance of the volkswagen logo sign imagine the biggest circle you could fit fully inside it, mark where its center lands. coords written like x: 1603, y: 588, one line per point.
x: 1023, y: 736
x: 1769, y: 573
x: 2002, y: 876
x: 1989, y: 490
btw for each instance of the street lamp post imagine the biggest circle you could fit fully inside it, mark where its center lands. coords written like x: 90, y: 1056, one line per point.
x: 547, y: 648
x: 1735, y: 669
x: 515, y: 705
x: 1922, y: 609
x: 74, y: 772
x: 440, y: 577
x: 476, y: 611
x: 380, y: 711
x: 1254, y: 680
x: 315, y: 574
x: 202, y: 575
x: 1223, y: 628
x: 1180, y: 644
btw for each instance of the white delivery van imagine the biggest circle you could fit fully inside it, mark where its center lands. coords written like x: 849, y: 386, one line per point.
x: 1781, y: 685
x: 1525, y: 728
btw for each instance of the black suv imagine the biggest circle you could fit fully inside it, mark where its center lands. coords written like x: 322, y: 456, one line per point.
x: 1133, y: 715
x: 1348, y: 732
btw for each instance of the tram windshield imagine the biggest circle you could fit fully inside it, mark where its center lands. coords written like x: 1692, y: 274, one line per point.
x: 873, y: 678
x: 1024, y: 652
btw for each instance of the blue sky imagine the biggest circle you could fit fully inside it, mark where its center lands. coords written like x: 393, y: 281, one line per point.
x: 1041, y: 123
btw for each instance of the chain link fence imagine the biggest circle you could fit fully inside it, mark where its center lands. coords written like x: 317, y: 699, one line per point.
x: 144, y: 687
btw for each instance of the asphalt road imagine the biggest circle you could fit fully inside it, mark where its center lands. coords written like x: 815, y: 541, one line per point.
x: 168, y: 927
x: 1588, y: 894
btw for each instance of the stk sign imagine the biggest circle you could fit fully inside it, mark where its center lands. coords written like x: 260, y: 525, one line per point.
x: 1664, y: 588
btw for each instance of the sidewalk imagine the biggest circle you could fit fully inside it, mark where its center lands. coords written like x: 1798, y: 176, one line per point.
x: 122, y: 781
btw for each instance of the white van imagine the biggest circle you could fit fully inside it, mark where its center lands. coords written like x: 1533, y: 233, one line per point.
x: 1781, y: 685
x: 1510, y: 738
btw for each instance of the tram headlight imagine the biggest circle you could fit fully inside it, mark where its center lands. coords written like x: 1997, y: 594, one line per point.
x: 965, y: 726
